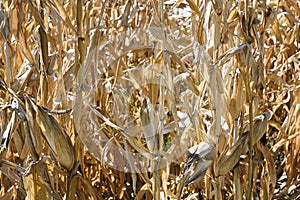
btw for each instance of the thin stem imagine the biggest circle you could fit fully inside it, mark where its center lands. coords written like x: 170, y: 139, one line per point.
x: 250, y: 144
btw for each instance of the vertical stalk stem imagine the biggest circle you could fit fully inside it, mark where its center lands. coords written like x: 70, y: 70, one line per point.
x: 217, y: 112
x: 250, y: 144
x: 79, y: 55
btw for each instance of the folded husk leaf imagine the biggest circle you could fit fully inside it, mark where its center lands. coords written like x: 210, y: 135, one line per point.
x: 231, y: 158
x: 148, y: 120
x: 58, y: 141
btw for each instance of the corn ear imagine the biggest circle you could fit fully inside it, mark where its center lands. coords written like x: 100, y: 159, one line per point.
x: 231, y: 158
x: 58, y: 141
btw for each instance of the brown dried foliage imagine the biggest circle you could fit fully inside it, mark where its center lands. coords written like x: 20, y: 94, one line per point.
x: 237, y: 59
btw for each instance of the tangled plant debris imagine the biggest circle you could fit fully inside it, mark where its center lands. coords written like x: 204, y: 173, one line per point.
x: 125, y: 99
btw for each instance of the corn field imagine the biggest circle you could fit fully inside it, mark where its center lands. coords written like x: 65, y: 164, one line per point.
x: 127, y: 99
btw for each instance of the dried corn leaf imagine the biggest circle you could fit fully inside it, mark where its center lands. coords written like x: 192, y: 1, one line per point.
x: 6, y: 135
x: 270, y: 164
x: 132, y: 140
x: 62, y: 13
x: 193, y: 6
x: 13, y: 172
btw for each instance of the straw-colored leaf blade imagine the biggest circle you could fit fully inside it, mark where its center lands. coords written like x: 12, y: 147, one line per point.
x: 6, y: 135
x: 63, y: 14
x: 270, y: 164
x: 193, y: 6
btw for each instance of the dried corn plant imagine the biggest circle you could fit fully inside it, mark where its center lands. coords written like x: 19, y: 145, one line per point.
x: 149, y: 99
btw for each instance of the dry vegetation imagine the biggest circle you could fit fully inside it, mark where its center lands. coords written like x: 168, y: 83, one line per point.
x: 216, y: 77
